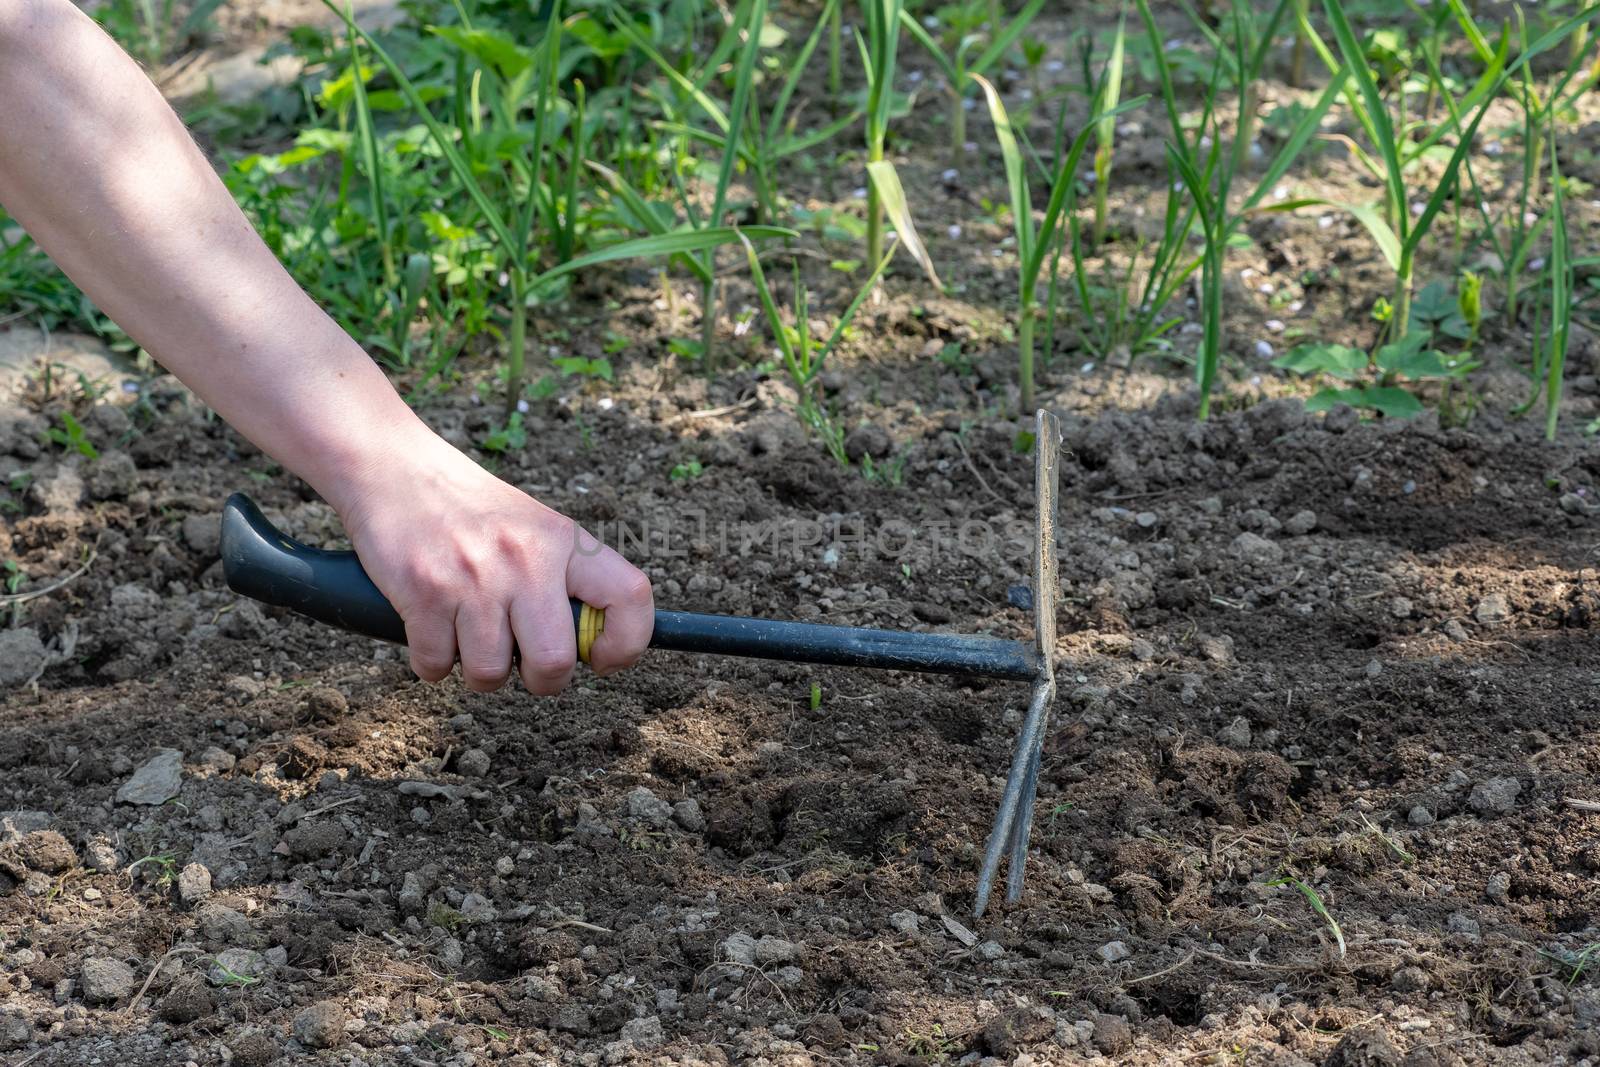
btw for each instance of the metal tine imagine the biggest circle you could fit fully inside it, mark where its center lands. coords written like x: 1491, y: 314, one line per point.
x: 1029, y: 743
x: 1022, y: 828
x: 1013, y: 823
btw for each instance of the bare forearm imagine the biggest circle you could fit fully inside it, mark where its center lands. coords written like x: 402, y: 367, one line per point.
x: 95, y: 164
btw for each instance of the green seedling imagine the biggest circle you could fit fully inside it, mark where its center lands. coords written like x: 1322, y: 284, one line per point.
x: 1395, y: 226
x: 1577, y: 964
x: 1207, y: 172
x: 1374, y: 383
x: 816, y: 696
x: 804, y: 355
x: 230, y: 977
x: 71, y: 435
x: 878, y: 50
x: 166, y: 866
x: 1469, y: 296
x: 1105, y: 129
x: 1394, y: 846
x: 956, y: 60
x: 1561, y: 279
x: 509, y: 438
x: 760, y: 148
x: 580, y: 367
x: 687, y: 470
x: 151, y: 30
x: 1034, y: 240
x: 1317, y: 906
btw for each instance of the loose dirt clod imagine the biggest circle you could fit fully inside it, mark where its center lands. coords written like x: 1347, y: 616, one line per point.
x: 321, y: 1025
x: 105, y: 980
x: 22, y: 655
x: 156, y: 781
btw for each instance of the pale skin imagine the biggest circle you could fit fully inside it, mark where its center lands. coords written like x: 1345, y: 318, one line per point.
x: 100, y: 171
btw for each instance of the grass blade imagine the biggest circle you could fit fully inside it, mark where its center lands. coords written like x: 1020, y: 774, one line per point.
x: 893, y: 197
x: 441, y: 137
x: 1560, y: 295
x: 677, y: 242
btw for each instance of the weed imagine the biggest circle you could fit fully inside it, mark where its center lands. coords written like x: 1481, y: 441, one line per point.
x: 804, y: 355
x: 444, y: 916
x: 957, y: 62
x: 72, y: 437
x: 687, y: 470
x: 509, y: 438
x: 166, y: 866
x: 1317, y: 906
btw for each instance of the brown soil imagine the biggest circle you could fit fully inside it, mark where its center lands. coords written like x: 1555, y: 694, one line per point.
x: 1360, y: 656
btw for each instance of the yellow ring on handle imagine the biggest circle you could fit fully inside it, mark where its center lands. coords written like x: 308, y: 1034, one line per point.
x: 591, y: 624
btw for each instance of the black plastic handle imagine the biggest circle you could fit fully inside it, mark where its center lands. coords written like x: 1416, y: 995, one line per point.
x: 262, y: 563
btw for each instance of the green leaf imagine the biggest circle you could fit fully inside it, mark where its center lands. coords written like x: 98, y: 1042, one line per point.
x: 1371, y: 216
x: 666, y: 244
x: 1328, y: 399
x: 1412, y: 358
x: 893, y: 197
x: 1006, y: 38
x: 494, y: 48
x: 1391, y: 402
x: 1339, y: 361
x: 443, y: 139
x: 1433, y: 304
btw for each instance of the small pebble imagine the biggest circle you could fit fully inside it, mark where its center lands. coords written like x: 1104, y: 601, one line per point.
x: 1113, y: 951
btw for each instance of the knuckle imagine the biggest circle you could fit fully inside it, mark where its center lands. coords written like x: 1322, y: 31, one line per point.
x: 548, y: 662
x: 635, y: 591
x: 429, y: 666
x: 544, y: 686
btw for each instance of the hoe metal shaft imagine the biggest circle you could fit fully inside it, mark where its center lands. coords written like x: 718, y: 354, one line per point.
x: 331, y: 587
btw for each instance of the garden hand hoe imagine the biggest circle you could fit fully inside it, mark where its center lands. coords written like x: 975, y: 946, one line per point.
x: 331, y: 587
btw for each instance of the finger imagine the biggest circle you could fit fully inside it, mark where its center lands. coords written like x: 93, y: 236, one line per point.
x: 601, y: 578
x: 431, y: 638
x: 483, y: 633
x: 546, y: 645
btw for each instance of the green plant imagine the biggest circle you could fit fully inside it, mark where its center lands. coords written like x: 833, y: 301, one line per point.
x: 531, y: 176
x: 72, y: 436
x: 510, y: 437
x: 1376, y: 382
x: 1577, y: 963
x: 1208, y: 172
x: 878, y: 50
x: 687, y: 470
x: 804, y: 355
x: 1105, y: 129
x: 1561, y: 278
x: 150, y: 30
x: 1034, y: 241
x: 956, y: 61
x: 738, y: 128
x: 444, y: 916
x: 816, y: 696
x: 165, y: 864
x: 1396, y: 226
x: 1317, y: 906
x: 1516, y: 233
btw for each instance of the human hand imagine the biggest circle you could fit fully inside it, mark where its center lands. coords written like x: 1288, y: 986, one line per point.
x: 479, y: 569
